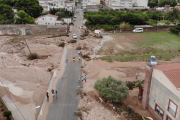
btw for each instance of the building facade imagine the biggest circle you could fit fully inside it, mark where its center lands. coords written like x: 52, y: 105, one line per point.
x: 86, y: 3
x: 57, y: 4
x: 48, y: 19
x: 161, y: 91
x: 129, y: 4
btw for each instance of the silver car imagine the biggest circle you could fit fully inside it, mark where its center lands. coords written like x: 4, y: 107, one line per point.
x: 74, y: 36
x: 153, y: 60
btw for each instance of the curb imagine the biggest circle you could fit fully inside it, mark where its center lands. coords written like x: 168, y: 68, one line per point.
x: 45, y: 101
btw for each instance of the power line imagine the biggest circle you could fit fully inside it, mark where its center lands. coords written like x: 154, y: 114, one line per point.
x: 12, y: 99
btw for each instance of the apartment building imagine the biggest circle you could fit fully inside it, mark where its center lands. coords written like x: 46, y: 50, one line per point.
x: 85, y: 3
x: 129, y: 4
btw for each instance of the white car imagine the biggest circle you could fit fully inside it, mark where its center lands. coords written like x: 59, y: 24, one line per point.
x: 153, y: 60
x: 138, y: 30
x: 74, y: 36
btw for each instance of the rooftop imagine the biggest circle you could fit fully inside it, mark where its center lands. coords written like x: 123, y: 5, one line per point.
x: 172, y: 72
x: 49, y: 15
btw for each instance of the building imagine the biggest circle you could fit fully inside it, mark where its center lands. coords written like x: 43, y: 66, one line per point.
x: 48, y: 19
x: 91, y: 8
x: 57, y: 4
x: 161, y: 91
x: 129, y: 4
x: 86, y: 3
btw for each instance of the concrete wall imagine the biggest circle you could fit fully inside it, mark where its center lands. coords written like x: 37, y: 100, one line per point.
x: 146, y: 91
x: 161, y: 91
x: 12, y: 31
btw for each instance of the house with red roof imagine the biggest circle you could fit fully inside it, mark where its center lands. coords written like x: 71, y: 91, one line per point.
x: 48, y: 19
x: 161, y: 91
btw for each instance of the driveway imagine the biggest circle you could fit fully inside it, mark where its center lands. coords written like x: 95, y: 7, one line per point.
x: 66, y: 103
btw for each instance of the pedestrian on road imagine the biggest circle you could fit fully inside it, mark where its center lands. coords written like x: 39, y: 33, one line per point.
x: 53, y: 93
x: 79, y: 58
x: 82, y: 78
x: 56, y: 94
x: 136, y: 75
x: 79, y: 78
x: 85, y: 78
x: 47, y: 95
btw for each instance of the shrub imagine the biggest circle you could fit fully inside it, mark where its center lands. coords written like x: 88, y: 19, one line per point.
x: 32, y: 56
x: 1, y: 105
x: 7, y: 114
x: 168, y: 22
x: 72, y: 41
x: 62, y: 44
x: 175, y: 30
x: 108, y: 27
x: 152, y: 22
x: 125, y: 25
x: 111, y: 89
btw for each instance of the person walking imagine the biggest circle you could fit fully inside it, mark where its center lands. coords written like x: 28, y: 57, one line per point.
x: 79, y: 58
x: 85, y: 78
x: 56, y: 94
x: 47, y: 95
x: 136, y: 75
x: 82, y: 78
x: 53, y: 93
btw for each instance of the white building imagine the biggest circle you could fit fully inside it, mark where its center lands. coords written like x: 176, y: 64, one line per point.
x: 48, y: 19
x: 129, y: 4
x: 85, y: 3
x: 49, y: 4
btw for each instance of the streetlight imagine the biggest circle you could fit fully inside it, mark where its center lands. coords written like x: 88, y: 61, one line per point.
x: 31, y: 112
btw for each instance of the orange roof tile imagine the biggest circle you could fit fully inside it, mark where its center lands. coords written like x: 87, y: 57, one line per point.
x: 50, y: 15
x: 172, y: 72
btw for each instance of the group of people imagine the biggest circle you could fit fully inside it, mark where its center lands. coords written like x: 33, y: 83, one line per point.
x: 54, y: 94
x: 82, y: 78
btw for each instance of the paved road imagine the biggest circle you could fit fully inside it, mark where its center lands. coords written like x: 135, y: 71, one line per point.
x: 64, y: 106
x: 78, y: 22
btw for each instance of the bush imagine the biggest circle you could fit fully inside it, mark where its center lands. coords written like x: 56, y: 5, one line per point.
x: 32, y: 56
x: 108, y: 27
x: 1, y: 105
x: 175, y: 30
x: 111, y: 89
x: 152, y: 22
x: 72, y: 41
x: 7, y: 114
x: 62, y: 44
x: 125, y: 25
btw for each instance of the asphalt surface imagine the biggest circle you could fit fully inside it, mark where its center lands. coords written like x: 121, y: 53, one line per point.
x: 78, y: 22
x: 66, y: 103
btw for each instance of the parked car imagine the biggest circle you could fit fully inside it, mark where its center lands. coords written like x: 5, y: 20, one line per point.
x: 74, y: 16
x: 138, y: 30
x: 153, y: 60
x: 74, y: 36
x: 149, y: 118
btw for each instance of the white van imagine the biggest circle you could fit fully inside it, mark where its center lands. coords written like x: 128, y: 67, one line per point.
x: 138, y: 30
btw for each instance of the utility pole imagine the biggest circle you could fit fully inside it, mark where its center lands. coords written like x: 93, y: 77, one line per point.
x: 27, y: 46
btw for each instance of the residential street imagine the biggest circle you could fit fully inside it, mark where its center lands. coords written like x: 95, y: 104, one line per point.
x: 78, y: 22
x: 64, y: 106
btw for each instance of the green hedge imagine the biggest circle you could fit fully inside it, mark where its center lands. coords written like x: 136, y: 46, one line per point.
x: 175, y: 30
x: 108, y: 27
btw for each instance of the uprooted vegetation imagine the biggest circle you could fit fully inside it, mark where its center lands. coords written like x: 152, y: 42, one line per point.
x: 32, y: 56
x: 72, y: 41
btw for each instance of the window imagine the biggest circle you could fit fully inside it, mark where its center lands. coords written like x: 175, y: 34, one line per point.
x: 172, y: 108
x: 159, y: 111
x: 42, y: 18
x: 50, y: 18
x: 168, y: 118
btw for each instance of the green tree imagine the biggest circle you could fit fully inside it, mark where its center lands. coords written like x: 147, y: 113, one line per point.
x: 172, y: 3
x: 174, y: 14
x: 6, y: 12
x: 152, y: 3
x: 23, y: 17
x: 138, y: 84
x: 7, y: 114
x: 8, y: 2
x: 31, y: 7
x: 112, y: 89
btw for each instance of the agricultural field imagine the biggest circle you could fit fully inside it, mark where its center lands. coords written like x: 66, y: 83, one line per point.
x: 140, y: 46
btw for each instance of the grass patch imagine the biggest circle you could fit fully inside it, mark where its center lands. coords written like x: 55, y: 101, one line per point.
x: 163, y: 45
